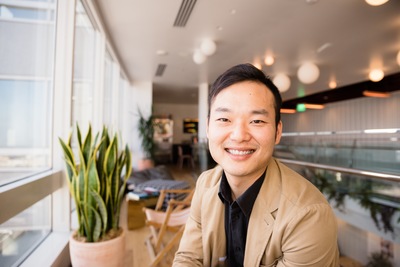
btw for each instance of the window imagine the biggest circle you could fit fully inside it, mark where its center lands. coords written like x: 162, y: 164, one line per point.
x: 43, y: 92
x: 33, y: 10
x: 23, y: 232
x: 27, y: 48
x: 26, y: 81
x: 84, y: 69
x: 121, y: 103
x: 108, y: 90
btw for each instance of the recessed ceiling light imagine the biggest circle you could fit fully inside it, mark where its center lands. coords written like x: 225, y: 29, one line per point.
x: 314, y: 106
x: 257, y: 65
x: 376, y: 75
x: 398, y: 58
x: 269, y: 60
x: 332, y: 84
x: 161, y: 52
x: 288, y: 110
x: 376, y: 2
x: 376, y: 94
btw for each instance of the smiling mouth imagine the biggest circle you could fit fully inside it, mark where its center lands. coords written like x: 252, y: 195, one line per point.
x: 240, y: 152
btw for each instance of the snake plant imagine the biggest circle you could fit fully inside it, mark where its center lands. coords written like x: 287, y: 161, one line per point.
x: 97, y: 182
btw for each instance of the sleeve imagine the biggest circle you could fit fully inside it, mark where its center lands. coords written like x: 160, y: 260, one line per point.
x: 190, y: 251
x: 311, y: 239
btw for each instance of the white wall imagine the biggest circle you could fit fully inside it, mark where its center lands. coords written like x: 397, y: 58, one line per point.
x: 178, y: 112
x: 140, y: 97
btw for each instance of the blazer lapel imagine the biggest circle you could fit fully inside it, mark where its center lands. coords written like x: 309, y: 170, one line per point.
x: 213, y: 210
x: 261, y: 221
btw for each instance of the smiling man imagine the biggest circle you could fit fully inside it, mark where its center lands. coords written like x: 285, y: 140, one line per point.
x: 251, y: 210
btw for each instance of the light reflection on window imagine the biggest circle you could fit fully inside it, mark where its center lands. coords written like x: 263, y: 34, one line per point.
x: 26, y: 88
x: 23, y: 232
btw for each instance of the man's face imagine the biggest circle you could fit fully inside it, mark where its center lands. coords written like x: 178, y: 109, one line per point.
x: 241, y: 129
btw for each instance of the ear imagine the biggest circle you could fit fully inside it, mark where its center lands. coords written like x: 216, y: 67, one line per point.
x: 278, y: 133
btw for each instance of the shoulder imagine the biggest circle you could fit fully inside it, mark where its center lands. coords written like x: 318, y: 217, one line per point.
x: 297, y: 189
x: 209, y: 178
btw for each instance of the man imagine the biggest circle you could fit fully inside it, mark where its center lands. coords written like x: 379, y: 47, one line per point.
x: 251, y: 210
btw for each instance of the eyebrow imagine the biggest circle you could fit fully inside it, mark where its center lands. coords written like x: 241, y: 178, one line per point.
x: 222, y: 109
x: 260, y: 112
x: 255, y: 112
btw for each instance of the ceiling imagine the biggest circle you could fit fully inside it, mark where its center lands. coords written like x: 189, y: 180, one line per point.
x: 344, y: 38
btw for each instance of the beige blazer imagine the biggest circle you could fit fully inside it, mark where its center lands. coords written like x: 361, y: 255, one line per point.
x: 291, y: 224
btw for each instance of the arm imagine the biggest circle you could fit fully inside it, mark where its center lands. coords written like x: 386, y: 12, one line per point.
x: 190, y: 252
x: 310, y: 238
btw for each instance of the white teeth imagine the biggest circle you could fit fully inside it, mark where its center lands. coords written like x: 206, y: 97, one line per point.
x: 240, y: 152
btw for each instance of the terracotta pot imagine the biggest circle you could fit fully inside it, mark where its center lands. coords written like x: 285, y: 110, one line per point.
x: 110, y: 253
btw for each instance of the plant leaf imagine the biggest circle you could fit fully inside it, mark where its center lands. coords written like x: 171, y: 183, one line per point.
x: 102, y: 210
x: 87, y: 145
x: 110, y: 158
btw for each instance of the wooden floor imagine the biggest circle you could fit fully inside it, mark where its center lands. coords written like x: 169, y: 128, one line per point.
x: 136, y: 255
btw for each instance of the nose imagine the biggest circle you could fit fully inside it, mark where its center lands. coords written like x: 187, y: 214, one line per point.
x: 240, y: 132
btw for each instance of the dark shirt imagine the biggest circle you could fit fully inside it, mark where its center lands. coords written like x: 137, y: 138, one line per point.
x: 237, y: 215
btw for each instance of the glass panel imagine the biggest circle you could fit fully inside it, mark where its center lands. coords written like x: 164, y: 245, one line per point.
x: 21, y: 234
x: 379, y: 152
x: 121, y: 102
x: 368, y: 203
x: 26, y: 82
x: 12, y: 12
x: 84, y: 69
x: 108, y: 90
x: 39, y: 10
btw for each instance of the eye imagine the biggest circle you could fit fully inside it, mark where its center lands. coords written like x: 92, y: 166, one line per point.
x: 257, y: 122
x: 222, y: 119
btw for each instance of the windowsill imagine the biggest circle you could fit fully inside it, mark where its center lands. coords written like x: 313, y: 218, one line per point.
x: 53, y: 251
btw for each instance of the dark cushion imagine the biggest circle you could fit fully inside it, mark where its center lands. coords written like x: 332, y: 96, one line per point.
x: 166, y: 184
x: 157, y: 173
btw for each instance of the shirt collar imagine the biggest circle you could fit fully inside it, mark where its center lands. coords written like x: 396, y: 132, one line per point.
x: 224, y: 190
x: 247, y: 199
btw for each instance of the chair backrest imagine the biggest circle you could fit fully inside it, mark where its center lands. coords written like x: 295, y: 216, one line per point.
x: 184, y: 195
x: 176, y: 213
x: 175, y: 218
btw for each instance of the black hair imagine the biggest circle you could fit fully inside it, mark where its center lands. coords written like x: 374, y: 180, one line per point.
x: 241, y: 73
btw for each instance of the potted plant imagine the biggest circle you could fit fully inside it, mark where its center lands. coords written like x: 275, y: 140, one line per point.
x: 97, y: 184
x: 379, y: 259
x: 146, y: 134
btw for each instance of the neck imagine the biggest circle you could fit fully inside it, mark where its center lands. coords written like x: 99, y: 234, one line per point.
x: 239, y: 185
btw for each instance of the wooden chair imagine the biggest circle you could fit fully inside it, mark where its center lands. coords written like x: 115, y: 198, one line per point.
x: 182, y: 157
x: 166, y: 226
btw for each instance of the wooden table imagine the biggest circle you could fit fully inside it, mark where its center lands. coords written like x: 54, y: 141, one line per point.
x: 136, y: 218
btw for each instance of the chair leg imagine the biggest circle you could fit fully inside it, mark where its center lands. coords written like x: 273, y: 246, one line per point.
x: 180, y: 162
x: 168, y: 247
x: 150, y: 248
x: 192, y: 162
